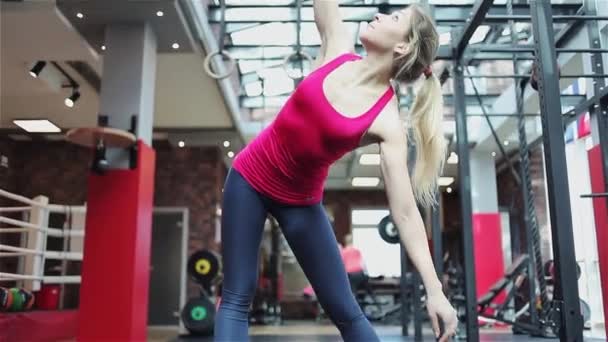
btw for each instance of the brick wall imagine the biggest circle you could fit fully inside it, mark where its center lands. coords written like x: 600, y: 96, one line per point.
x: 192, y: 178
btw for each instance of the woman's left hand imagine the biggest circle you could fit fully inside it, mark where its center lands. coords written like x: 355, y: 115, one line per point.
x: 439, y: 307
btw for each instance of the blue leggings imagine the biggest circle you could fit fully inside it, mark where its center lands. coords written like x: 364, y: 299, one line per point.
x: 314, y: 244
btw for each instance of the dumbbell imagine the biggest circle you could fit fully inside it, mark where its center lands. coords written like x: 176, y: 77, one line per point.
x: 22, y: 299
x: 6, y: 299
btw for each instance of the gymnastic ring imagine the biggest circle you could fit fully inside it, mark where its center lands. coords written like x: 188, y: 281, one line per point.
x: 230, y: 69
x: 288, y: 57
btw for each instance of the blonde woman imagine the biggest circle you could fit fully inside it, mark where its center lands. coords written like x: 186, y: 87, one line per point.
x: 346, y: 102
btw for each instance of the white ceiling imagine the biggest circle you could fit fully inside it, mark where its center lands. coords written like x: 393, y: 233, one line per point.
x: 32, y: 30
x: 189, y: 104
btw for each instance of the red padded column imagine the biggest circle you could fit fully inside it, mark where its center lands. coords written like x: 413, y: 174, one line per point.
x: 489, y: 263
x: 600, y: 212
x: 116, y: 261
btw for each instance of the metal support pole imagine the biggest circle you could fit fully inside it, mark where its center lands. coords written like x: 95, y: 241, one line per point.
x: 466, y: 206
x: 437, y: 240
x: 566, y: 299
x: 405, y: 310
x: 599, y: 75
x: 556, y: 18
x: 416, y: 305
x: 530, y: 48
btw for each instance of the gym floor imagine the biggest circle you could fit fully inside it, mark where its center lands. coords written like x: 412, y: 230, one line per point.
x: 293, y: 331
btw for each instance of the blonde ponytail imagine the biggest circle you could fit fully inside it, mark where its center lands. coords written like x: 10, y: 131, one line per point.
x: 426, y: 123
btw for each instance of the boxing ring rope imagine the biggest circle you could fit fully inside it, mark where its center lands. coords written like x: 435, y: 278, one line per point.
x: 51, y: 207
x: 48, y: 254
x: 54, y: 232
x: 46, y: 279
x: 14, y: 209
x: 37, y: 231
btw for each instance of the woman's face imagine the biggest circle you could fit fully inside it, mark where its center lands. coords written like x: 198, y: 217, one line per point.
x: 387, y: 32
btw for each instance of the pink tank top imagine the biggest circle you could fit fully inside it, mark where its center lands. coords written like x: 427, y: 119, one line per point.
x: 289, y: 160
x: 352, y: 258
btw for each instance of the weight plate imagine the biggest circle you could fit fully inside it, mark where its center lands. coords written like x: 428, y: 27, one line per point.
x: 204, y: 266
x: 388, y: 230
x: 199, y: 316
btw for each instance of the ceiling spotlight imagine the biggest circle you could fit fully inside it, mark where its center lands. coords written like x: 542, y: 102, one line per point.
x: 230, y: 154
x: 160, y: 13
x: 226, y: 143
x: 181, y: 143
x: 448, y: 190
x: 35, y: 71
x: 175, y: 46
x: 506, y: 143
x: 103, y: 47
x: 79, y: 15
x: 70, y: 101
x: 493, y: 154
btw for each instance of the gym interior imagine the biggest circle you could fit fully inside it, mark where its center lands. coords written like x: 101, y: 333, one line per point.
x: 119, y: 122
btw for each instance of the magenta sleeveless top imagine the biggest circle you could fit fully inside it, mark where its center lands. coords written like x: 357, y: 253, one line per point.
x: 289, y: 160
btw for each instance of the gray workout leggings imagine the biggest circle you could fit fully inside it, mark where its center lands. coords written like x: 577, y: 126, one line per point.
x: 310, y: 236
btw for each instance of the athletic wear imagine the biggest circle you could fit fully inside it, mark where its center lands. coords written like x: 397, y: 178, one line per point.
x: 289, y: 161
x: 310, y: 236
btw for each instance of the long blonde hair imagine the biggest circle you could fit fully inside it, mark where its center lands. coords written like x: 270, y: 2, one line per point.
x: 426, y: 114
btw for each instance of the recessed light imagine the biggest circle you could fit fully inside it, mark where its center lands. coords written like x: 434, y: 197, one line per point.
x: 103, y: 47
x: 369, y: 159
x: 160, y: 13
x: 37, y: 126
x: 226, y: 143
x: 181, y: 143
x: 493, y: 154
x: 230, y: 154
x: 175, y: 46
x: 506, y: 143
x: 365, y: 181
x: 448, y: 190
x: 79, y: 15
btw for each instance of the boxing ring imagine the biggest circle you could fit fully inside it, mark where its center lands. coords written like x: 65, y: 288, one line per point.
x: 35, y: 232
x: 29, y: 218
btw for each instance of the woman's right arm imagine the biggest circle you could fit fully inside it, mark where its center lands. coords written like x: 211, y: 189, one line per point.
x: 335, y: 39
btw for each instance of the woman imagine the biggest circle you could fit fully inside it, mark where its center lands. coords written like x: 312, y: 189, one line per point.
x: 347, y: 102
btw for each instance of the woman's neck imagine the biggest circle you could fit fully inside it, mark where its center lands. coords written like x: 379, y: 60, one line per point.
x: 373, y: 70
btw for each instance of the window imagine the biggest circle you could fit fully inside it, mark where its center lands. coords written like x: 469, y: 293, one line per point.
x: 381, y: 258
